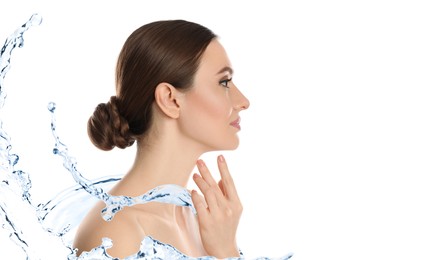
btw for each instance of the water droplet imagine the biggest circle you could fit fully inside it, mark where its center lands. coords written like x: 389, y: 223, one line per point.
x: 51, y: 107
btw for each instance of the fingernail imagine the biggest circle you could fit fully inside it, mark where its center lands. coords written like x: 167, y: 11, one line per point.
x: 220, y: 158
x: 200, y: 163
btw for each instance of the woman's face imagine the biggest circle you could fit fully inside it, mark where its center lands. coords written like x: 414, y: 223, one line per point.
x: 210, y: 114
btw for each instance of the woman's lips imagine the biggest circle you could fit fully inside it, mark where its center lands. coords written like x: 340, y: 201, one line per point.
x: 236, y: 123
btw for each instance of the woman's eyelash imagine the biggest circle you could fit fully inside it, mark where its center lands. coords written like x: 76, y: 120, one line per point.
x: 225, y: 82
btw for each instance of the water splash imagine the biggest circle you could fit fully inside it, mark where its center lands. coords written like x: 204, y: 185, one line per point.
x: 13, y: 41
x: 13, y: 182
x: 61, y: 215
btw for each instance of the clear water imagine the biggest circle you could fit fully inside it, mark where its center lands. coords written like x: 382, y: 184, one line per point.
x: 60, y: 216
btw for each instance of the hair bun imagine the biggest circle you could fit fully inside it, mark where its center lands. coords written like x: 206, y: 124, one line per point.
x: 107, y: 128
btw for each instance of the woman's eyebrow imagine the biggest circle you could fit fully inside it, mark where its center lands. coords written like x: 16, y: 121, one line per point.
x: 225, y: 69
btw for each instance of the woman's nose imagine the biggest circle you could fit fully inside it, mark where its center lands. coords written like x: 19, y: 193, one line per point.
x: 241, y: 102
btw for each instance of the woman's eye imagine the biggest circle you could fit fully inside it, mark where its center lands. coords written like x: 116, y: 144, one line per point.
x: 225, y: 82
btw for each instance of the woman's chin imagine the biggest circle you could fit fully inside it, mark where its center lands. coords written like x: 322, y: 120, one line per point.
x: 227, y: 145
x: 232, y: 146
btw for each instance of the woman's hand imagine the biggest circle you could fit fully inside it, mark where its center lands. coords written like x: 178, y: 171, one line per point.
x: 218, y: 211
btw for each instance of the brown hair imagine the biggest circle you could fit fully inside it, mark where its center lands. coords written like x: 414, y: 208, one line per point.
x: 162, y: 51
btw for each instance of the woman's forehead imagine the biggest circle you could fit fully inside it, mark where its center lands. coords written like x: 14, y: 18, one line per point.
x: 215, y: 59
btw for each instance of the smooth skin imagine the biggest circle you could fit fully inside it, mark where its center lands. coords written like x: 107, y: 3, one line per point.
x: 184, y: 126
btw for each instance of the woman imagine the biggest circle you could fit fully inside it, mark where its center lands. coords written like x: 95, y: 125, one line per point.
x: 175, y: 98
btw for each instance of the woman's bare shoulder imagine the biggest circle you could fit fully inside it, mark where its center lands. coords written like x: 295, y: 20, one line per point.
x: 124, y: 230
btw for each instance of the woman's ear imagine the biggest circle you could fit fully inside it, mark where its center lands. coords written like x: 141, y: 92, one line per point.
x: 167, y: 98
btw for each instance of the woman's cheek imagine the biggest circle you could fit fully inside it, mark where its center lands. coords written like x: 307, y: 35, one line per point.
x: 216, y: 105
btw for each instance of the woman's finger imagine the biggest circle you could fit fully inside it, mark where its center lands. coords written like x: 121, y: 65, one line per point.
x: 200, y: 198
x: 226, y: 179
x: 221, y: 185
x: 207, y: 191
x: 199, y: 203
x: 205, y: 173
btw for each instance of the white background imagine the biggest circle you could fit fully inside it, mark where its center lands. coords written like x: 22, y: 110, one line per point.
x: 329, y: 165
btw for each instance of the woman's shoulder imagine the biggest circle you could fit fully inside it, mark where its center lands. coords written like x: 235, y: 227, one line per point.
x: 124, y: 230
